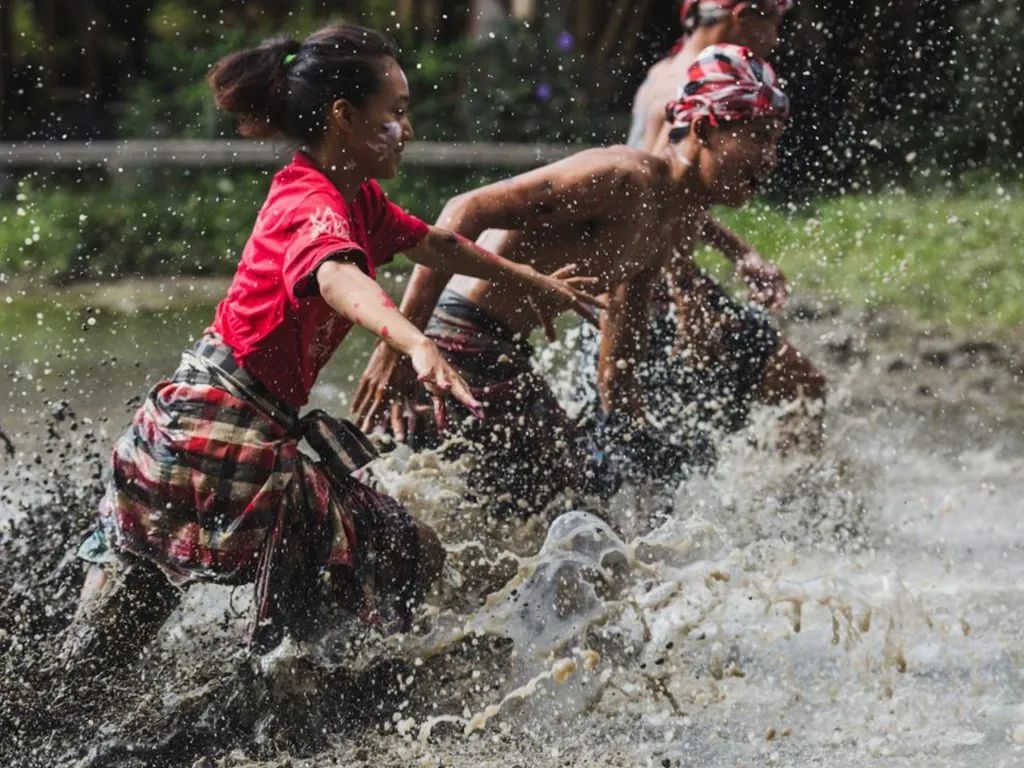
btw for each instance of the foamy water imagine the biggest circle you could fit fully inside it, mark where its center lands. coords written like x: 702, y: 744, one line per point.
x: 859, y: 608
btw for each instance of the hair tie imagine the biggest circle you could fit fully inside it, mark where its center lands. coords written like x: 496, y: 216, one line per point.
x: 290, y: 59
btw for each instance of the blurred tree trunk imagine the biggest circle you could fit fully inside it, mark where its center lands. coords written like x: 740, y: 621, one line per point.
x: 6, y: 66
x: 487, y: 16
x: 524, y: 10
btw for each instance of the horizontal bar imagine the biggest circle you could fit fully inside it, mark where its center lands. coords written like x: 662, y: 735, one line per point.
x: 197, y: 153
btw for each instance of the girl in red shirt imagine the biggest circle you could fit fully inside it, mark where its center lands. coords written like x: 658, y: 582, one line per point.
x: 208, y: 483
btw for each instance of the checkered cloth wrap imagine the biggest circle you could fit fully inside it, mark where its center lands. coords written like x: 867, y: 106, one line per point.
x: 693, y: 13
x: 209, y: 483
x: 726, y: 83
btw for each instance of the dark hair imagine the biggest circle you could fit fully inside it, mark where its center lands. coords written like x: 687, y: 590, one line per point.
x: 282, y: 87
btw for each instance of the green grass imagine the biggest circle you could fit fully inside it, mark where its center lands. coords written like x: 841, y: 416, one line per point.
x: 952, y: 257
x: 955, y: 258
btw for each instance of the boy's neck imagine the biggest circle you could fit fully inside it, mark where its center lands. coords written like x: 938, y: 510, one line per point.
x: 686, y: 191
x: 701, y: 38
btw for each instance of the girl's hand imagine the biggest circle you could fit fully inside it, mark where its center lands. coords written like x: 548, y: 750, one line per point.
x: 440, y: 380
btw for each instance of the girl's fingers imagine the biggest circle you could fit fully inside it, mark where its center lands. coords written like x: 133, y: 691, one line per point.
x: 461, y: 392
x: 369, y: 412
x: 440, y: 413
x: 574, y: 281
x: 408, y: 416
x: 366, y: 425
x: 398, y: 422
x: 357, y: 399
x: 364, y: 398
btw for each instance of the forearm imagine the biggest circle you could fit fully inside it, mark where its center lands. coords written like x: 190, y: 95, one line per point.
x: 461, y: 215
x: 452, y: 253
x: 356, y: 297
x: 421, y: 295
x: 623, y: 346
x: 731, y: 245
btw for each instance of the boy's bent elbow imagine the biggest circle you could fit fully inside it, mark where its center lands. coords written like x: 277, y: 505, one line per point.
x: 455, y: 214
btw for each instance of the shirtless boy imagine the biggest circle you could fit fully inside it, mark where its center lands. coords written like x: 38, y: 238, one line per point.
x: 617, y: 213
x: 711, y: 357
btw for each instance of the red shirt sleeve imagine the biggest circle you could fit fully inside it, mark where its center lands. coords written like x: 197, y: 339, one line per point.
x: 321, y: 228
x: 393, y: 229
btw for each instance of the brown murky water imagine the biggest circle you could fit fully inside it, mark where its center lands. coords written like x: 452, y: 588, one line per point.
x: 859, y: 609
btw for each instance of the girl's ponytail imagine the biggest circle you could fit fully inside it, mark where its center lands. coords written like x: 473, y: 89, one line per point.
x: 253, y: 85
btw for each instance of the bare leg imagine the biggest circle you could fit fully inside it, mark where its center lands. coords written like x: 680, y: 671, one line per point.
x: 432, y: 555
x: 790, y: 377
x: 120, y: 609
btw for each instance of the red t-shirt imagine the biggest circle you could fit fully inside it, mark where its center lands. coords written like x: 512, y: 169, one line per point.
x: 281, y: 330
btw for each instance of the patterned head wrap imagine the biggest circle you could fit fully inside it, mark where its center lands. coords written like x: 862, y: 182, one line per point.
x: 726, y: 83
x: 695, y: 11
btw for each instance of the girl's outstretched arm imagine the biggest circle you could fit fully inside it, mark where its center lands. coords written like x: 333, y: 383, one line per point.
x: 356, y: 296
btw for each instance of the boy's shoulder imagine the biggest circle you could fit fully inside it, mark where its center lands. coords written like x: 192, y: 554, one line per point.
x: 637, y: 166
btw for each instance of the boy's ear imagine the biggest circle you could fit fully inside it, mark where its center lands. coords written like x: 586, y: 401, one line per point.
x: 735, y: 17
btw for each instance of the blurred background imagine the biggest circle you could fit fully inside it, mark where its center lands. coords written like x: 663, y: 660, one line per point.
x: 872, y: 80
x: 908, y: 120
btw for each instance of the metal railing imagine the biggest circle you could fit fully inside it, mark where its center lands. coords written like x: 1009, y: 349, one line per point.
x: 198, y: 153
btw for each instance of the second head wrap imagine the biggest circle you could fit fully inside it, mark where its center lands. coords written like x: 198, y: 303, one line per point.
x: 693, y: 12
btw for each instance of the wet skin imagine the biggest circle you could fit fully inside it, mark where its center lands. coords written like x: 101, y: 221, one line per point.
x: 614, y: 244
x: 618, y: 213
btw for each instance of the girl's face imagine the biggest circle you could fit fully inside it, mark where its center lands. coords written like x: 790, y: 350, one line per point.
x: 380, y: 127
x: 737, y: 157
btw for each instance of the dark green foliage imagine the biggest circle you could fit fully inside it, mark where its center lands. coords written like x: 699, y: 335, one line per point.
x: 158, y: 222
x: 521, y: 86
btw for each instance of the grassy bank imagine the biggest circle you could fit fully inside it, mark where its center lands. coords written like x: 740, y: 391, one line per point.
x: 946, y: 256
x: 157, y: 222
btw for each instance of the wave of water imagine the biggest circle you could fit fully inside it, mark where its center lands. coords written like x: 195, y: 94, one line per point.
x: 856, y: 607
x: 861, y: 607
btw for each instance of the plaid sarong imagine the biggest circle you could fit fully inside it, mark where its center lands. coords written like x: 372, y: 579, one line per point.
x: 209, y: 483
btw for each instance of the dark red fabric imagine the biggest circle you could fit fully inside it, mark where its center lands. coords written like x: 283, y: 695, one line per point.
x: 281, y: 330
x: 691, y: 11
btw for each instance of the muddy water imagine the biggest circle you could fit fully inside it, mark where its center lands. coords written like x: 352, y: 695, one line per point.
x: 859, y: 609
